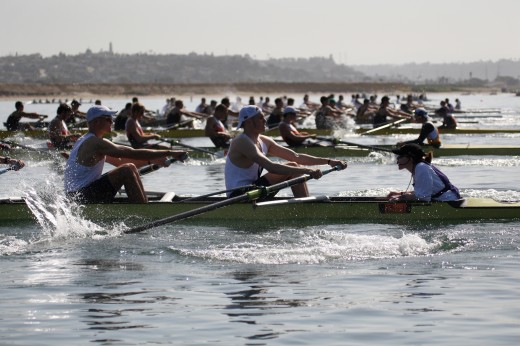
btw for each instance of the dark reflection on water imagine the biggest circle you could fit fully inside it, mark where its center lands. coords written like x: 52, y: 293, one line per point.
x: 255, y: 301
x: 99, y: 318
x: 109, y: 265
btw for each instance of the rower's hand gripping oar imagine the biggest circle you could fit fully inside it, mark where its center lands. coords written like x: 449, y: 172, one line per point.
x: 338, y: 141
x: 246, y: 197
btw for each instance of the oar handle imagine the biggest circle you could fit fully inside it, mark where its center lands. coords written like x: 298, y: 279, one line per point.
x: 266, y: 190
x: 153, y: 167
x: 10, y: 168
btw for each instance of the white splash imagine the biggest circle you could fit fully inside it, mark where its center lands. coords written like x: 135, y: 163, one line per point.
x: 60, y: 217
x: 311, y: 247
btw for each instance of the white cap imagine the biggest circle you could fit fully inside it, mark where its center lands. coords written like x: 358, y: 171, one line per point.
x: 99, y: 111
x: 247, y: 112
x: 290, y: 109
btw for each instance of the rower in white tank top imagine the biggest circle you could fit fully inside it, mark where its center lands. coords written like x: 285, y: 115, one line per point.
x: 237, y: 176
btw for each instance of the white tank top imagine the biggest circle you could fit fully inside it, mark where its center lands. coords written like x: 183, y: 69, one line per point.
x: 77, y: 176
x: 236, y: 176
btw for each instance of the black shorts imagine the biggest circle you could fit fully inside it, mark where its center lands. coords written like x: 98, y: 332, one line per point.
x: 262, y: 181
x: 220, y: 142
x: 99, y: 191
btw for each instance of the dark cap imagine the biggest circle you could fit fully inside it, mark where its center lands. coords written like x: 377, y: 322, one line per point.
x: 412, y: 150
x: 75, y: 103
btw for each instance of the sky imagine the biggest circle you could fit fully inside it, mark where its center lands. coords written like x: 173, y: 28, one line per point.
x: 362, y: 32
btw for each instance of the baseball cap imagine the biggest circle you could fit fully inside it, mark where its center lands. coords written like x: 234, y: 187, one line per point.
x: 289, y: 109
x: 99, y: 111
x: 421, y: 112
x: 75, y: 103
x: 247, y: 112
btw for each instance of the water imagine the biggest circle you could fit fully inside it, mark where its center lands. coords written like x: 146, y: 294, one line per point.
x: 72, y: 282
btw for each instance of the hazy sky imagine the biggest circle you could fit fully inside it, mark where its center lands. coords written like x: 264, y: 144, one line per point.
x: 354, y: 32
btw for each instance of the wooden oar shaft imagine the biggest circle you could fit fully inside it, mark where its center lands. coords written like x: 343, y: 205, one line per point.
x: 248, y: 196
x: 153, y: 167
x: 355, y: 144
x: 384, y: 126
x: 173, y: 142
x: 196, y: 198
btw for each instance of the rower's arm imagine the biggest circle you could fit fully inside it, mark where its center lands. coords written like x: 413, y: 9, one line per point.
x: 105, y: 147
x: 289, y: 155
x: 33, y: 115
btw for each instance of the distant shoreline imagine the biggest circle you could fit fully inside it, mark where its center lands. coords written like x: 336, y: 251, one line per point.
x: 37, y: 91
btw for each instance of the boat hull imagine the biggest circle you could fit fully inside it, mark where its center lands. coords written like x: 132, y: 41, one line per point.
x: 288, y: 212
x: 190, y: 133
x: 354, y: 151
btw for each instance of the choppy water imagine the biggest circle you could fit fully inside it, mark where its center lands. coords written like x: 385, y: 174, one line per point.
x: 71, y: 282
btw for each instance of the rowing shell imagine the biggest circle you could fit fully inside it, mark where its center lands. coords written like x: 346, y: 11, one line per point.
x: 190, y: 133
x: 354, y: 151
x: 319, y: 210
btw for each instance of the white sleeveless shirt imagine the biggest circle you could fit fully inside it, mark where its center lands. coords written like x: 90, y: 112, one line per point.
x: 236, y: 176
x: 77, y: 176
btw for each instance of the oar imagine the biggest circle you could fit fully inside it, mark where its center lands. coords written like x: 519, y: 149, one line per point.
x: 384, y: 126
x: 174, y: 126
x: 14, y: 144
x: 174, y: 142
x: 196, y: 198
x: 338, y: 141
x: 248, y: 196
x: 10, y: 168
x: 153, y: 167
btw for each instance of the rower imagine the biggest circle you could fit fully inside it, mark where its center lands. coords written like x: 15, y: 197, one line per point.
x: 326, y: 116
x: 380, y: 118
x: 13, y: 120
x: 177, y: 116
x: 215, y: 129
x: 276, y: 115
x: 83, y: 180
x: 247, y: 157
x: 288, y: 130
x: 59, y: 134
x: 76, y: 113
x: 428, y: 130
x: 134, y: 131
x: 448, y: 120
x: 430, y: 184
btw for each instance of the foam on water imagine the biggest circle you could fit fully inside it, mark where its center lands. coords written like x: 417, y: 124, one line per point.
x: 310, y: 247
x: 479, y: 161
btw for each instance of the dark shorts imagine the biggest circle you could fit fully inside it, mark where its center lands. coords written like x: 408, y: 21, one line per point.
x: 220, y: 142
x: 262, y: 181
x: 99, y: 191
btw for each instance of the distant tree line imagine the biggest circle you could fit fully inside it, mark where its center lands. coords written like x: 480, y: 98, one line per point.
x: 106, y: 67
x: 111, y: 68
x: 471, y: 74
